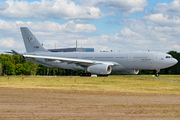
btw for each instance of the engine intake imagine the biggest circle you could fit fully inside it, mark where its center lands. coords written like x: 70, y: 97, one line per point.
x: 100, y: 69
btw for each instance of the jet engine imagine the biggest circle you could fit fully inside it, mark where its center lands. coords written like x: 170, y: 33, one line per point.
x: 130, y: 72
x: 102, y: 69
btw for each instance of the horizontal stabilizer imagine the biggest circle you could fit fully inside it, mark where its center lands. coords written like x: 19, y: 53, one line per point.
x: 15, y: 53
x: 8, y: 52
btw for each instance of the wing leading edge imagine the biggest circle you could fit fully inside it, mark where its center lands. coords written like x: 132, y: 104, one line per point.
x: 81, y: 62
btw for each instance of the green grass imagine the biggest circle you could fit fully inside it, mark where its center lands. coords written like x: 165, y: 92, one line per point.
x: 165, y: 84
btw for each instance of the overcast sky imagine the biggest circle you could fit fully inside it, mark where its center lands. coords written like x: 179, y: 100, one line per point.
x: 119, y: 25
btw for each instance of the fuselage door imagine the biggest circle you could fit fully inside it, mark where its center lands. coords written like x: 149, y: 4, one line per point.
x: 130, y: 57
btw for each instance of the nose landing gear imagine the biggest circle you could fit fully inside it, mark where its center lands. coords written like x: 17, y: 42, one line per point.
x: 157, y: 72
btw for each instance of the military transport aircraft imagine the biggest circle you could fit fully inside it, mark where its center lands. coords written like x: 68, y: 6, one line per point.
x: 100, y: 63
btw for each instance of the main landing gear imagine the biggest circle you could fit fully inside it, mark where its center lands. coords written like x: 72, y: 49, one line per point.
x: 157, y: 72
x: 89, y: 75
x: 85, y: 75
x: 102, y: 75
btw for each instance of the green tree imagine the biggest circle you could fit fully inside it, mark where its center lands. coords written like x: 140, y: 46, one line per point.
x: 61, y: 71
x: 9, y: 68
x: 1, y: 69
x: 34, y: 68
x: 20, y: 70
x: 16, y: 59
x: 27, y: 67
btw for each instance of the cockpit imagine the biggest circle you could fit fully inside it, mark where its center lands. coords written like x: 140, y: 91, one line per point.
x: 169, y: 57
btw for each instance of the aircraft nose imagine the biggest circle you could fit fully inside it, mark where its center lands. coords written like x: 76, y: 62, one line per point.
x: 171, y: 62
x: 175, y: 61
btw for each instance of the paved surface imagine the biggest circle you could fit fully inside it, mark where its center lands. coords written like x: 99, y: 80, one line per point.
x: 19, y: 103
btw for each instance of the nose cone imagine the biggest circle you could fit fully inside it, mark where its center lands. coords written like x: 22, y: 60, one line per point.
x: 174, y: 61
x: 170, y: 62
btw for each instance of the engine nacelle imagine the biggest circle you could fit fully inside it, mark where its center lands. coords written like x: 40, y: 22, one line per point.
x: 103, y: 69
x: 130, y: 72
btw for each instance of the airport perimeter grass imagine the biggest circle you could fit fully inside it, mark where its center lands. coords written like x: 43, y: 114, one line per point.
x: 146, y: 84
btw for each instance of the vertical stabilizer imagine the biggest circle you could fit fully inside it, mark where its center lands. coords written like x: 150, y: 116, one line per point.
x: 30, y: 41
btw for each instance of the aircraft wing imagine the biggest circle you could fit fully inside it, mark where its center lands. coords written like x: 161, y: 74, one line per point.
x: 81, y: 62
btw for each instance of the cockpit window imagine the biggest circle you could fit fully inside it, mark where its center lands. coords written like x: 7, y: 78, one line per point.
x: 169, y: 57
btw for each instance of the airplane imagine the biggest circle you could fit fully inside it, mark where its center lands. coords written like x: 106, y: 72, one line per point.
x: 100, y: 63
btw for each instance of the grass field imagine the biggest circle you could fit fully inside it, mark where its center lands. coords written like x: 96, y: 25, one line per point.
x: 114, y: 97
x: 146, y: 84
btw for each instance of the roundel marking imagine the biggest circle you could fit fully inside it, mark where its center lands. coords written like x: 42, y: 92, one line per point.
x: 31, y: 39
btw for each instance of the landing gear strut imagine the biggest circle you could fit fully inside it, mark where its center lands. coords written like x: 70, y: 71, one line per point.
x: 157, y: 72
x: 86, y: 74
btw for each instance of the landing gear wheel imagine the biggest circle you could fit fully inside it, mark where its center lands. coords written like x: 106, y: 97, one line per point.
x: 157, y: 75
x: 157, y: 71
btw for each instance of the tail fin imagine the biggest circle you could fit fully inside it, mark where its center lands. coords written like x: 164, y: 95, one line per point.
x: 30, y: 41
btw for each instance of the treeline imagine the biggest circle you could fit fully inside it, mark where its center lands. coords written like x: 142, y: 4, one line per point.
x: 15, y: 65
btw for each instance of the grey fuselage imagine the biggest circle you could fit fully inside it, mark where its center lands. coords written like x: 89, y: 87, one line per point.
x: 122, y: 60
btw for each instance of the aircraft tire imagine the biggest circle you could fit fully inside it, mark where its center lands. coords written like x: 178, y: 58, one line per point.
x: 157, y: 75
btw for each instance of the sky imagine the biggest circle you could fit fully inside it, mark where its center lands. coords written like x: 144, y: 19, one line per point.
x: 118, y: 25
